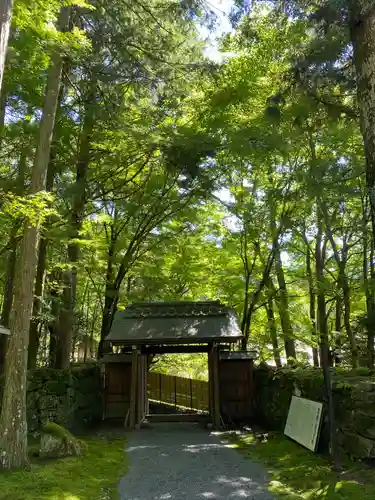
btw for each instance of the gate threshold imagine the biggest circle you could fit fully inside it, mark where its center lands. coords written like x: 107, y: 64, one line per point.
x: 178, y: 417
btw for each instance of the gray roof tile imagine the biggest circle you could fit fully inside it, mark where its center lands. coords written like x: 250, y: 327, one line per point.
x: 175, y: 322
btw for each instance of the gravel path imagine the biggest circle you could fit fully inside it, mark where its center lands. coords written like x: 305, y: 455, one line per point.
x: 186, y: 462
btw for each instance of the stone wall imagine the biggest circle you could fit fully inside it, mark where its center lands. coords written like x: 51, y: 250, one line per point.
x: 72, y: 398
x: 354, y: 400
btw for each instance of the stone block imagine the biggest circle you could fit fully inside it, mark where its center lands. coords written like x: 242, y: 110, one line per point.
x: 366, y: 385
x: 364, y: 424
x: 356, y: 445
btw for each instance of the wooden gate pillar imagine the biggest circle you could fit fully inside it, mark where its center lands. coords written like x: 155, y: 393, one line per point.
x: 133, y: 388
x: 214, y: 393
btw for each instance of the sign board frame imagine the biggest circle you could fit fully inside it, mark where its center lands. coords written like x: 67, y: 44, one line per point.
x: 304, y: 428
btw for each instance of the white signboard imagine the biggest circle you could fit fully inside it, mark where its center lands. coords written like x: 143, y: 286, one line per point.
x: 303, y: 422
x: 3, y: 330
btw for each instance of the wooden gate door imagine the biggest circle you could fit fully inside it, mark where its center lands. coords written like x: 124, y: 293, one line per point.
x: 236, y: 389
x: 117, y: 390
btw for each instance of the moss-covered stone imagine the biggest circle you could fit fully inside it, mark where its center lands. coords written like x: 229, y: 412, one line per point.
x: 56, y: 441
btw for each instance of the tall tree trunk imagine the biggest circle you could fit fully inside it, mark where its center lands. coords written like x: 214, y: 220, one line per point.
x: 341, y: 261
x: 312, y: 312
x: 246, y: 299
x: 338, y: 310
x: 348, y: 327
x: 55, y: 279
x: 323, y: 334
x: 247, y: 272
x: 272, y: 329
x: 371, y: 310
x: 283, y: 303
x: 110, y: 291
x: 92, y: 329
x: 13, y: 423
x: 255, y: 296
x: 369, y: 283
x: 362, y: 29
x: 11, y: 262
x: 6, y: 7
x: 67, y: 313
x: 38, y: 292
x: 3, y: 104
x: 8, y: 295
x: 42, y: 252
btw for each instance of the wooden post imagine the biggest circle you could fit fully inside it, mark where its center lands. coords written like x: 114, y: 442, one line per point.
x: 175, y: 392
x: 191, y: 393
x: 145, y: 402
x: 210, y: 384
x: 133, y: 388
x: 215, y: 382
x: 141, y: 388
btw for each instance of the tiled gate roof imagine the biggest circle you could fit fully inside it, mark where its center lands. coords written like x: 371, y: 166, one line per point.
x: 175, y: 322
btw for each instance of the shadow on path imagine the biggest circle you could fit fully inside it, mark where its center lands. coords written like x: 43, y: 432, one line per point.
x: 186, y: 462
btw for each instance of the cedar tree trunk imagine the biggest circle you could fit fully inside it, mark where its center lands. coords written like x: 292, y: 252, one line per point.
x: 5, y: 18
x: 13, y: 423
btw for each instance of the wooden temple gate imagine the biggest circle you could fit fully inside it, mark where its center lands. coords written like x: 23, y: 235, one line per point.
x: 145, y: 330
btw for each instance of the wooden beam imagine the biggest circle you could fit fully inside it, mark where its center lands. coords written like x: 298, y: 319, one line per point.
x: 133, y: 389
x: 174, y: 349
x: 178, y: 417
x: 216, y: 390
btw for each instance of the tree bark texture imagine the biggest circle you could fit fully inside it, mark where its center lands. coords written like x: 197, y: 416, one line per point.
x: 13, y: 423
x: 3, y: 103
x: 368, y: 271
x: 55, y: 279
x: 11, y: 262
x: 283, y: 299
x: 324, y: 341
x: 255, y: 296
x: 362, y: 29
x: 343, y: 281
x: 34, y: 324
x: 283, y: 304
x: 67, y: 312
x: 42, y: 254
x: 338, y: 312
x: 6, y: 7
x: 312, y: 311
x: 272, y: 329
x: 369, y: 279
x: 8, y: 294
x: 110, y: 301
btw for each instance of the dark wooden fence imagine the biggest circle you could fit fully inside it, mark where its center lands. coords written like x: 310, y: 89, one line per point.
x: 178, y: 391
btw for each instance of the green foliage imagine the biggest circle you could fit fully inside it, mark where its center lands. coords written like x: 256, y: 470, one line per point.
x: 193, y: 366
x: 287, y: 463
x: 173, y: 178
